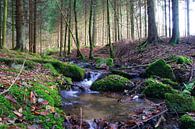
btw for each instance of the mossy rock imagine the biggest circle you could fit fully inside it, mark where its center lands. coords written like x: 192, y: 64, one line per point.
x: 113, y: 83
x: 180, y: 103
x: 156, y: 89
x: 52, y: 69
x: 183, y: 60
x: 173, y: 84
x: 160, y: 68
x: 187, y: 122
x: 104, y: 61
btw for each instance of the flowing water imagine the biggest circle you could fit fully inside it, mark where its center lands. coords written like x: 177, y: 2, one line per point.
x: 95, y: 105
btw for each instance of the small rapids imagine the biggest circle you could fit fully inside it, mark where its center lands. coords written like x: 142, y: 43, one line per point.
x: 95, y: 105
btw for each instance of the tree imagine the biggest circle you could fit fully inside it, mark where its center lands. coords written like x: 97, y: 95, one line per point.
x: 1, y: 23
x: 109, y: 35
x: 165, y: 15
x: 61, y: 29
x: 13, y: 24
x: 152, y: 29
x: 76, y: 32
x: 69, y: 23
x: 175, y: 19
x: 19, y: 25
x: 132, y: 19
x: 35, y: 24
x: 188, y: 17
x: 4, y: 23
x: 90, y: 34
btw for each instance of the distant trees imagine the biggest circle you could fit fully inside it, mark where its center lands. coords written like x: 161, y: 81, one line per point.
x: 4, y: 24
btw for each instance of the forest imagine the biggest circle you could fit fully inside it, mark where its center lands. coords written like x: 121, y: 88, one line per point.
x: 97, y: 64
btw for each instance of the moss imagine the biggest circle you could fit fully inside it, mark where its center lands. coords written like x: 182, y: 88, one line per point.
x: 183, y: 60
x: 29, y: 64
x: 121, y: 73
x: 170, y: 82
x: 161, y: 69
x: 108, y: 61
x: 70, y: 70
x: 19, y: 93
x: 51, y: 95
x: 6, y: 108
x: 156, y: 89
x: 51, y: 68
x: 48, y: 121
x: 187, y: 122
x: 112, y: 83
x: 179, y: 102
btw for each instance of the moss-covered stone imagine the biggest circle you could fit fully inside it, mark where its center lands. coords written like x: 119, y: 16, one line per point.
x: 113, y: 83
x: 180, y: 103
x: 173, y: 84
x: 51, y: 68
x: 183, y: 60
x: 160, y: 68
x: 104, y: 61
x: 156, y: 89
x: 187, y: 122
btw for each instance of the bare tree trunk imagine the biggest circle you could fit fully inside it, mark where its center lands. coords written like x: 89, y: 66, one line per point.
x: 34, y: 26
x: 69, y: 30
x: 13, y: 24
x: 76, y: 31
x: 85, y: 22
x: 132, y: 19
x: 31, y: 26
x: 61, y: 30
x: 19, y: 25
x: 1, y: 9
x: 4, y: 23
x: 103, y: 26
x: 94, y: 34
x: 170, y: 18
x: 175, y: 18
x: 145, y: 17
x: 165, y: 15
x: 109, y: 35
x: 65, y: 38
x: 188, y: 17
x: 152, y: 29
x: 90, y: 29
x: 140, y: 18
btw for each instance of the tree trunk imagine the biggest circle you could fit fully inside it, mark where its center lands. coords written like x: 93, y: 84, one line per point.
x: 1, y: 23
x: 169, y: 18
x: 132, y: 19
x: 188, y: 17
x: 34, y: 26
x: 165, y: 15
x: 109, y: 35
x: 65, y: 38
x: 31, y: 25
x: 76, y: 32
x: 145, y: 17
x: 140, y: 18
x: 61, y: 30
x: 13, y: 24
x: 69, y: 30
x: 94, y: 34
x: 19, y: 25
x: 175, y: 18
x: 152, y: 29
x: 90, y: 35
x: 4, y: 23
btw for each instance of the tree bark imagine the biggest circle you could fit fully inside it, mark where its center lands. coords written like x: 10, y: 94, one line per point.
x: 61, y: 30
x: 4, y: 23
x: 19, y: 25
x: 34, y: 26
x: 90, y: 29
x: 175, y: 19
x: 188, y: 17
x: 109, y: 35
x: 69, y: 30
x: 13, y: 24
x: 152, y: 29
x: 165, y: 15
x: 76, y: 32
x: 132, y: 19
x: 1, y: 9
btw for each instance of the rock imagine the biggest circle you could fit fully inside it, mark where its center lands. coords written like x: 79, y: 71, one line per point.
x: 187, y: 122
x: 156, y: 89
x: 113, y: 83
x: 160, y: 68
x: 181, y: 74
x: 180, y: 103
x: 16, y: 66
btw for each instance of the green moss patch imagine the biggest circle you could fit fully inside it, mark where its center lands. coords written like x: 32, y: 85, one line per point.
x: 6, y: 108
x: 187, y: 122
x: 156, y: 89
x: 113, y: 83
x: 104, y: 61
x: 180, y: 103
x: 160, y: 68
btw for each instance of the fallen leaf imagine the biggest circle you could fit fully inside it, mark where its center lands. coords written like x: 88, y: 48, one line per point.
x: 18, y: 113
x: 32, y: 97
x: 11, y: 98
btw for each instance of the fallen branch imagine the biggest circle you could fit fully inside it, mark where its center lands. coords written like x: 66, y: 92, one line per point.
x: 17, y: 77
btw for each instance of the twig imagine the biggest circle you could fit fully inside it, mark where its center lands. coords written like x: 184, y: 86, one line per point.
x: 81, y: 117
x: 17, y: 77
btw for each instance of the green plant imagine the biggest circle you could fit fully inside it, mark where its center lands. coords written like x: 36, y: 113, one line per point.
x: 188, y: 87
x: 51, y: 68
x: 114, y: 83
x: 107, y: 61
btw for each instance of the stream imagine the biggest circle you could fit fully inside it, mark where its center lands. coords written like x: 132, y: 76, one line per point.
x: 95, y: 105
